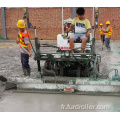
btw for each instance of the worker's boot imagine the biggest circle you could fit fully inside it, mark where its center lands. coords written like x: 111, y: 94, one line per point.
x: 28, y: 71
x: 24, y: 71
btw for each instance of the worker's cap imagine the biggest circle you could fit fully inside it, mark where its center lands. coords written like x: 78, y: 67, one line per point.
x: 108, y: 22
x: 21, y: 24
x: 101, y: 24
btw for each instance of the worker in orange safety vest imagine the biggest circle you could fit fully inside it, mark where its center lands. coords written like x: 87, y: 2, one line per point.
x: 108, y: 34
x: 24, y: 40
x: 102, y: 35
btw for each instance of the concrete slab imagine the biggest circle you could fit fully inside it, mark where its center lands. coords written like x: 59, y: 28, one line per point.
x: 31, y: 102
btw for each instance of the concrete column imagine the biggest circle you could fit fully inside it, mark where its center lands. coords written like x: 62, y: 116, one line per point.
x: 74, y: 12
x: 3, y: 22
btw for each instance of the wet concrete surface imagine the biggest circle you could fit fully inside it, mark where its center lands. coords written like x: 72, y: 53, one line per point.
x: 10, y: 66
x: 31, y: 102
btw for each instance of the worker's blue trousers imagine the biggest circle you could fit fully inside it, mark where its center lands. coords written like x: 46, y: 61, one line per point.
x: 103, y: 38
x: 107, y: 43
x: 25, y: 60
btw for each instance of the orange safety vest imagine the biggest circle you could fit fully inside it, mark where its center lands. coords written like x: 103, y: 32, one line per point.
x: 101, y: 32
x: 110, y: 32
x: 21, y: 37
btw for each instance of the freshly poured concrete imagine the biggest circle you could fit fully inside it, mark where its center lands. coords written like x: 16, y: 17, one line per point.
x: 53, y: 102
x: 9, y: 101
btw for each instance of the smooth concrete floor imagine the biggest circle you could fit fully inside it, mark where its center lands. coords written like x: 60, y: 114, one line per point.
x: 35, y: 102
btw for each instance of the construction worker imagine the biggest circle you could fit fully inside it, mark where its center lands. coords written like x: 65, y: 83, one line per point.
x: 102, y: 35
x: 25, y: 47
x: 82, y: 29
x: 108, y: 34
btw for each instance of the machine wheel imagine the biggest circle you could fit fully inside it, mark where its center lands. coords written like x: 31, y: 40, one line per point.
x: 78, y: 70
x: 46, y: 70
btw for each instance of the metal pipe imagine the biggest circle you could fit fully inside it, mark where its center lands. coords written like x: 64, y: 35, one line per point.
x: 62, y: 22
x: 38, y: 63
x: 3, y: 22
x: 93, y: 23
x: 74, y: 12
x: 93, y: 33
x: 35, y: 31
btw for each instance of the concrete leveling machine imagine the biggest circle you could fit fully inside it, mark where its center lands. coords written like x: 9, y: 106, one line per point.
x: 66, y: 72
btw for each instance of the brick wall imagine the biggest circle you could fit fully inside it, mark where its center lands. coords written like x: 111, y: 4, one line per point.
x: 107, y: 13
x: 49, y: 21
x: 113, y: 15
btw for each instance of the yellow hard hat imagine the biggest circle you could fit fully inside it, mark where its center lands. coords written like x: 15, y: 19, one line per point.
x: 101, y: 24
x: 21, y: 24
x: 108, y: 22
x: 96, y: 8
